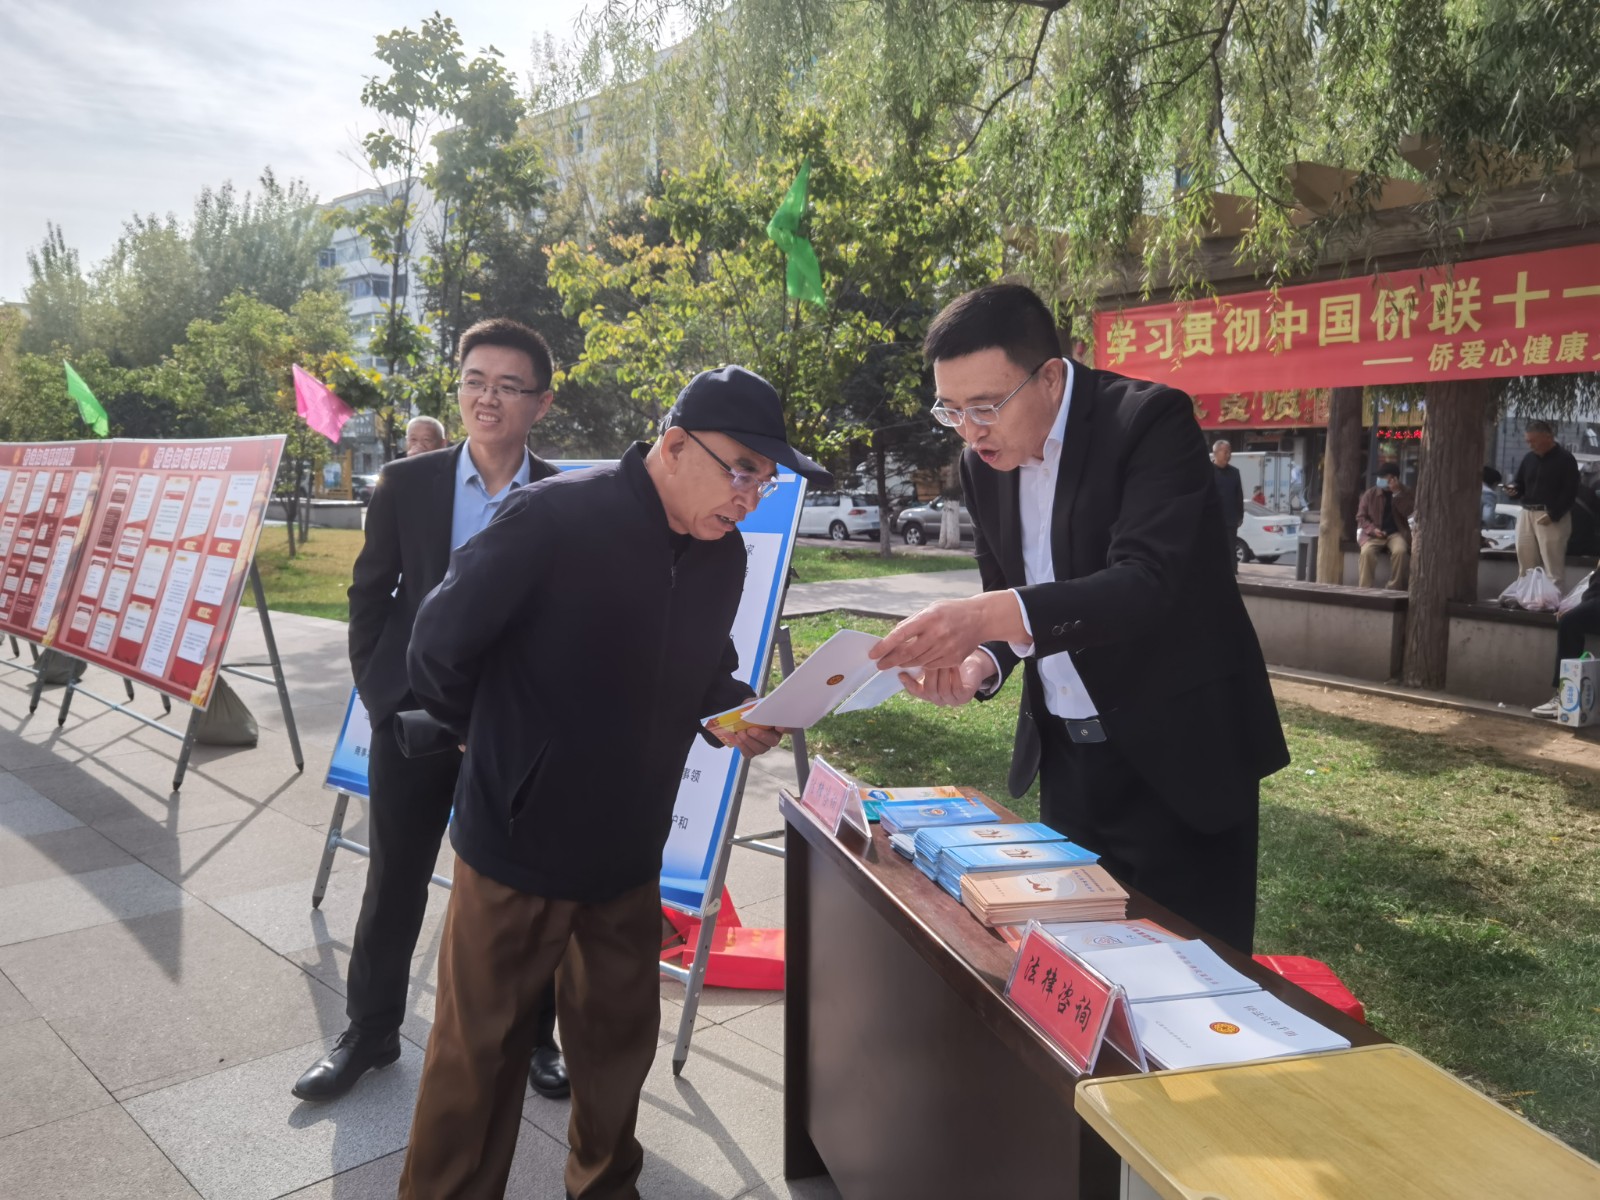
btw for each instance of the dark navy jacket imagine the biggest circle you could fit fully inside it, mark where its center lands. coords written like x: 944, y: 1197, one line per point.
x: 575, y: 652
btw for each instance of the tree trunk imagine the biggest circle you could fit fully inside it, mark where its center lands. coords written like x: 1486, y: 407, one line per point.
x: 1445, y: 541
x: 880, y: 459
x: 1341, y: 482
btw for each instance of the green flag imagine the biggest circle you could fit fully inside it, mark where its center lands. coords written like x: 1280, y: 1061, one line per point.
x: 804, y: 275
x: 88, y: 407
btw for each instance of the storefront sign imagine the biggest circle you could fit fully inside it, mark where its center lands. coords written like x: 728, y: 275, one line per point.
x: 1524, y: 314
x: 1302, y: 408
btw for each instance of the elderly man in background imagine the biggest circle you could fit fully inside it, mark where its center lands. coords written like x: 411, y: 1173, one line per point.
x: 423, y: 435
x: 1383, y: 523
x: 1230, y: 491
x: 1546, y: 485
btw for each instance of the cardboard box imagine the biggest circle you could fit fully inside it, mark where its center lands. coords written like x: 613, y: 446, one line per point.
x: 1579, y: 679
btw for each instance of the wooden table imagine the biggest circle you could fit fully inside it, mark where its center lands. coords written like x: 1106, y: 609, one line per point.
x: 906, y: 1071
x: 1373, y: 1121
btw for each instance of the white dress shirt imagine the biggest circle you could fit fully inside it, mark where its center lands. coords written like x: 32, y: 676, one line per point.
x: 1064, y: 692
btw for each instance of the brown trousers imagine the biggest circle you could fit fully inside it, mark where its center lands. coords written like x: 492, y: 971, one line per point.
x: 500, y: 948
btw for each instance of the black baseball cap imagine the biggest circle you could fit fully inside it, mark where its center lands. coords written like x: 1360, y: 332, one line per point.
x: 739, y: 403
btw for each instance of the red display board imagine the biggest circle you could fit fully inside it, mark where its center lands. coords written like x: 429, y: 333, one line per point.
x: 47, y: 495
x: 1524, y: 314
x: 159, y: 577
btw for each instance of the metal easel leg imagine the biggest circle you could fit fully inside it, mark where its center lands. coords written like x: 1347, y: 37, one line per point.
x: 797, y: 739
x: 335, y: 835
x: 708, y: 921
x: 188, y: 745
x: 277, y: 667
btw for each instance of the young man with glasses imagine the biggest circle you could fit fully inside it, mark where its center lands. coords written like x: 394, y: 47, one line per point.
x: 424, y: 508
x: 1146, y: 708
x: 575, y: 646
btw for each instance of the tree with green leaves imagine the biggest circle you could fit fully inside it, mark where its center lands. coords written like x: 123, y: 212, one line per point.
x: 1140, y: 149
x: 850, y: 371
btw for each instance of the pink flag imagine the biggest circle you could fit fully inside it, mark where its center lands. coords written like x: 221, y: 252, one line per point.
x: 322, y: 410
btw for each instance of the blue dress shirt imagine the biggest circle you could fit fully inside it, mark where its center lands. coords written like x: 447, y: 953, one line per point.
x: 474, y: 507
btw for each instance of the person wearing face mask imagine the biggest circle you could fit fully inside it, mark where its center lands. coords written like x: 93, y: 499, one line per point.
x: 1383, y: 526
x: 574, y: 647
x: 1146, y: 712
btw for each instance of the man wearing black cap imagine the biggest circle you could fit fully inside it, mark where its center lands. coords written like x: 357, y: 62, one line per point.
x: 592, y: 614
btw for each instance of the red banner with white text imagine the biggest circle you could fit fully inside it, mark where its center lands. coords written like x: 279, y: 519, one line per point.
x: 1525, y: 314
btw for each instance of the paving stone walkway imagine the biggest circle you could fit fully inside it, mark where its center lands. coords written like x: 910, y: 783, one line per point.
x: 164, y: 978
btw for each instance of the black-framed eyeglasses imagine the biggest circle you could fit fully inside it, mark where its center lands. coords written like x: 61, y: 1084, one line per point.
x: 743, y: 481
x: 471, y: 389
x: 980, y: 414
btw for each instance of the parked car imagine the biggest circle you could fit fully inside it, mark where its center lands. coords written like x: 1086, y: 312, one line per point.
x: 840, y: 515
x: 1500, y: 531
x: 361, y: 487
x: 921, y: 525
x: 1265, y: 535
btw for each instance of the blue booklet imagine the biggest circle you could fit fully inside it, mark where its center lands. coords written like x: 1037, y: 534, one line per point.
x: 969, y: 860
x: 908, y: 816
x: 935, y: 839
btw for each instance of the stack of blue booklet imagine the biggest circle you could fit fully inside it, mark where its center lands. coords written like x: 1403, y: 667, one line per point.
x: 908, y: 816
x: 1019, y: 857
x: 932, y: 841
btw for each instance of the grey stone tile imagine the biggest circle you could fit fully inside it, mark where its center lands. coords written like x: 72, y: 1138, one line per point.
x: 60, y: 852
x: 44, y: 1081
x: 13, y: 1007
x: 258, y: 1141
x: 47, y: 907
x: 820, y: 1187
x: 536, y: 1171
x: 753, y: 877
x: 264, y: 850
x: 282, y: 916
x: 150, y: 1000
x: 135, y: 786
x: 763, y: 1025
x: 100, y: 1154
x: 768, y: 914
x: 26, y: 813
x: 716, y: 1130
x: 330, y: 964
x: 718, y: 1004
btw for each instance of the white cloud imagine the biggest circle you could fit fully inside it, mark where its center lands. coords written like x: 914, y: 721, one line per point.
x: 111, y: 107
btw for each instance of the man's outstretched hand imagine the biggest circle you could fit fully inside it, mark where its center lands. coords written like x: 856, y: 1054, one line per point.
x: 951, y: 686
x: 946, y: 633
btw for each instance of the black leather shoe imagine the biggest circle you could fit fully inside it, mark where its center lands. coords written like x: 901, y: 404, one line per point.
x: 352, y: 1057
x: 548, y: 1074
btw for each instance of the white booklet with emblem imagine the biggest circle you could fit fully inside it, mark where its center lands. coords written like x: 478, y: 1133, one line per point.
x: 837, y: 677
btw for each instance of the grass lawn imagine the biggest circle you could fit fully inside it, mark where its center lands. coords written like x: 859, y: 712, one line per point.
x: 1456, y: 893
x: 819, y: 564
x: 315, y: 581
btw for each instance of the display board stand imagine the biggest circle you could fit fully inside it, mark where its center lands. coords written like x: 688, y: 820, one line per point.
x: 187, y: 737
x: 693, y: 977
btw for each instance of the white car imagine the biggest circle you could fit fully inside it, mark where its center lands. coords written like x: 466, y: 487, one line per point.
x: 839, y: 515
x: 1265, y: 535
x: 1500, y: 532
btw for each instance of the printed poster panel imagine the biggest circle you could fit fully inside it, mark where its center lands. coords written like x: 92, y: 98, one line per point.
x: 47, y: 496
x: 158, y: 583
x: 700, y: 814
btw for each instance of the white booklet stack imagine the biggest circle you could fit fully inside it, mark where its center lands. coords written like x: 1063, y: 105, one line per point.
x: 1191, y: 1009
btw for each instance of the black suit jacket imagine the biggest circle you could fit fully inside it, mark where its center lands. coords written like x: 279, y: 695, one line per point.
x: 1144, y: 600
x: 405, y: 555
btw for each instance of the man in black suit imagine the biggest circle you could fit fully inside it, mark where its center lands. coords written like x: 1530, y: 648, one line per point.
x: 1146, y: 706
x: 422, y: 508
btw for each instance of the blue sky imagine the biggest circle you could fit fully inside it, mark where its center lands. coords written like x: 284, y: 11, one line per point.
x: 110, y: 107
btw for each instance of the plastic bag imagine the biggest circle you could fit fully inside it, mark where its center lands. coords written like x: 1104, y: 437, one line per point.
x: 1573, y: 598
x: 226, y: 721
x: 1532, y: 591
